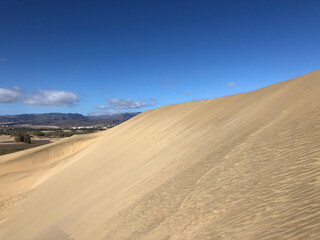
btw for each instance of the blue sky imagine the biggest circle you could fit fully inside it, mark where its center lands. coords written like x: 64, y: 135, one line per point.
x: 100, y: 57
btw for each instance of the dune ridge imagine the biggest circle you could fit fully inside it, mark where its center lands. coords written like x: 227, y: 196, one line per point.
x: 22, y: 171
x: 245, y: 166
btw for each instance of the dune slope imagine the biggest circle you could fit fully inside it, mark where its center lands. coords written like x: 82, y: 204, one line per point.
x: 240, y: 167
x: 22, y: 171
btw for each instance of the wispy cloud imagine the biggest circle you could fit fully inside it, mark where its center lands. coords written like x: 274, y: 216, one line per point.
x: 51, y: 98
x: 167, y: 83
x: 10, y: 95
x: 102, y: 89
x: 153, y: 100
x: 120, y: 105
x: 187, y: 93
x: 3, y: 59
x: 231, y: 84
x: 199, y: 99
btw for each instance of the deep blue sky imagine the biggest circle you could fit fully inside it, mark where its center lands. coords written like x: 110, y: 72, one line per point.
x: 73, y: 56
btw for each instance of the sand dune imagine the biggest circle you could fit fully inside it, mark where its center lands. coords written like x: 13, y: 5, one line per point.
x: 240, y: 167
x: 22, y: 171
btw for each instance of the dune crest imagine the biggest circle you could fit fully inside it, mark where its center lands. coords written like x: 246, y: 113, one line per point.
x: 22, y: 171
x: 245, y: 166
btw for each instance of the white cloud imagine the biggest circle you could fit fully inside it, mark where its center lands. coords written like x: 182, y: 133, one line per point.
x: 51, y: 98
x: 10, y: 95
x: 169, y: 86
x: 121, y: 103
x: 187, y: 93
x: 42, y: 98
x: 231, y: 84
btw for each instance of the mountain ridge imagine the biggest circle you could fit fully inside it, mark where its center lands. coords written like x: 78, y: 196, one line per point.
x: 64, y: 119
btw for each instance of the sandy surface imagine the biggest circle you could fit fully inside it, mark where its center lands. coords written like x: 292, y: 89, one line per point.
x: 6, y: 139
x: 22, y: 171
x: 240, y: 167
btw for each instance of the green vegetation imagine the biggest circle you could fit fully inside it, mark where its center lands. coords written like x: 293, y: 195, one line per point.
x: 40, y: 137
x: 36, y: 137
x: 23, y: 137
x: 23, y: 133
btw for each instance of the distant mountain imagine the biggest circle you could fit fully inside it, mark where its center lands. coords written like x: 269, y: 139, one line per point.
x: 112, y: 119
x: 122, y: 116
x: 64, y: 119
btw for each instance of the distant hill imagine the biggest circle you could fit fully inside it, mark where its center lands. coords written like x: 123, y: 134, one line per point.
x: 64, y: 119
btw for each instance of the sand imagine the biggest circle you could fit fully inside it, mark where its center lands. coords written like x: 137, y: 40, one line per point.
x: 6, y: 139
x: 245, y: 166
x: 22, y: 171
